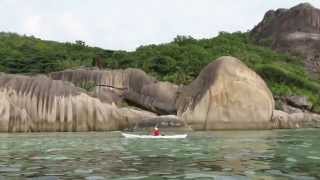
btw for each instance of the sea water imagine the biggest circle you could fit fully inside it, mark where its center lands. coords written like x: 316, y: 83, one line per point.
x: 276, y: 154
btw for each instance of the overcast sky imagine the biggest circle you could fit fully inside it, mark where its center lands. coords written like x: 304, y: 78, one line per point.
x: 127, y: 24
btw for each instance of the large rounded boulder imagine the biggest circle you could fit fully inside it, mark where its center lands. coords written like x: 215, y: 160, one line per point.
x: 226, y: 95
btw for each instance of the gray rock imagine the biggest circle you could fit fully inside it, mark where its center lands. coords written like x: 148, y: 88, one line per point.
x: 34, y: 104
x: 289, y: 109
x: 133, y: 85
x: 283, y: 120
x: 107, y: 95
x: 301, y: 102
x: 280, y: 119
x: 164, y: 122
x: 158, y: 97
x: 295, y: 30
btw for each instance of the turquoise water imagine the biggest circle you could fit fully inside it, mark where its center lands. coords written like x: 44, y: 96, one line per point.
x: 280, y: 154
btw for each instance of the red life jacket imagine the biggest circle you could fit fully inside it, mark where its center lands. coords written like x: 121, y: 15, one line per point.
x: 156, y: 132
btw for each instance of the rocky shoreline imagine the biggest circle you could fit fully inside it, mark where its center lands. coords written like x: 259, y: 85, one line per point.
x: 226, y: 95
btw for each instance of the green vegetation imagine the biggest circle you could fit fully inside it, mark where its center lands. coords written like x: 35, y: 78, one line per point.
x: 22, y: 54
x: 179, y: 61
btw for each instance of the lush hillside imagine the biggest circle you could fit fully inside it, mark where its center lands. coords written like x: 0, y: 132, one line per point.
x: 22, y: 54
x: 179, y: 61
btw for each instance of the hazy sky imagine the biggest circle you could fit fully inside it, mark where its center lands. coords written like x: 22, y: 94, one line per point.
x: 127, y: 24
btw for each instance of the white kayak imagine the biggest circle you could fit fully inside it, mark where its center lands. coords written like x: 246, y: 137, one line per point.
x: 178, y: 136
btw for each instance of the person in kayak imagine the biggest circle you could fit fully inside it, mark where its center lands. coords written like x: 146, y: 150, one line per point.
x: 156, y: 132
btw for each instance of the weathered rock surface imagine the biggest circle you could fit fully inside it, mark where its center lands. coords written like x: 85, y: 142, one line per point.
x: 301, y: 102
x: 107, y: 95
x: 158, y: 97
x: 133, y: 85
x: 295, y: 30
x: 293, y: 104
x: 283, y: 120
x: 226, y: 95
x: 33, y: 104
x: 166, y: 122
x: 290, y: 109
x: 129, y: 79
x: 279, y: 118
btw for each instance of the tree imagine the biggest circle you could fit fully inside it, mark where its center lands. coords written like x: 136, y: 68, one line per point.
x: 98, y: 62
x: 80, y: 43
